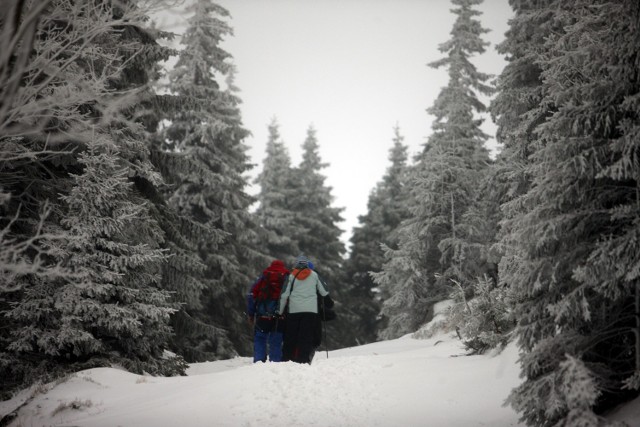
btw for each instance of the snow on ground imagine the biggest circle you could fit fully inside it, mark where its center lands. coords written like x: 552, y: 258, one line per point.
x: 628, y: 413
x: 403, y: 382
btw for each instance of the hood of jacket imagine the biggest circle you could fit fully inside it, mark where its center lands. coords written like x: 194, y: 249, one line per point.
x: 276, y: 266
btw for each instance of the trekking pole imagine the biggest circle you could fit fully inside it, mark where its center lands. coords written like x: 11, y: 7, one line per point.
x: 324, y: 329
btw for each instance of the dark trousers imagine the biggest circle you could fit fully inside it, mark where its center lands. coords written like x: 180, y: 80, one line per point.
x: 299, y: 335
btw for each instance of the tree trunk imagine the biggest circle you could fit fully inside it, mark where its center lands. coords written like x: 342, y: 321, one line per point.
x: 637, y: 287
x: 453, y: 218
x: 637, y: 329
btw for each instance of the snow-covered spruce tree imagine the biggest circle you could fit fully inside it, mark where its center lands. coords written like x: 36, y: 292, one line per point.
x: 491, y: 324
x: 316, y: 231
x: 183, y: 271
x: 404, y: 310
x: 210, y: 185
x: 71, y: 100
x: 486, y: 327
x: 115, y: 306
x: 277, y: 191
x: 518, y: 110
x: 576, y: 276
x: 435, y: 241
x: 386, y: 208
x: 452, y: 170
x: 34, y: 156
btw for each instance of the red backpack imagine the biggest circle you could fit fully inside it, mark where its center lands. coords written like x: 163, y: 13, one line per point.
x: 266, y: 293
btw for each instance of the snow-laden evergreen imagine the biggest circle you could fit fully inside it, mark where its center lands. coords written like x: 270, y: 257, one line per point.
x: 317, y: 230
x: 115, y: 305
x: 204, y: 145
x: 73, y: 153
x: 436, y: 248
x: 576, y: 235
x: 277, y: 191
x: 386, y: 208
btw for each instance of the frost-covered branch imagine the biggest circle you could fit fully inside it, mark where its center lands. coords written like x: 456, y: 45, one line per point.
x: 24, y: 256
x: 41, y: 80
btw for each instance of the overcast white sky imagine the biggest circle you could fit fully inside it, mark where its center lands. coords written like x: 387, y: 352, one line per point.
x: 352, y: 69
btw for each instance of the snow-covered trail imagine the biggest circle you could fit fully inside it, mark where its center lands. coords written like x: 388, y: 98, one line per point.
x: 404, y: 382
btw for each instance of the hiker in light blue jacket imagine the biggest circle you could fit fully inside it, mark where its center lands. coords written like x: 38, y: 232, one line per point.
x: 299, y: 301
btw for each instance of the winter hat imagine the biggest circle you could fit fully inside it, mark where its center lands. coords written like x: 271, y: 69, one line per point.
x: 310, y: 264
x: 302, y: 261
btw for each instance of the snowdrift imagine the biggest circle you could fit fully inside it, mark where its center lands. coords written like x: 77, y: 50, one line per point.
x: 400, y: 382
x: 403, y: 382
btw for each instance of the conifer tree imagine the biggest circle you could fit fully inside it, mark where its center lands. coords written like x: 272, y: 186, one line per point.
x: 576, y: 233
x: 210, y: 187
x: 518, y: 109
x: 316, y: 231
x: 405, y: 304
x: 435, y: 246
x: 115, y: 303
x: 386, y: 208
x: 457, y: 159
x: 93, y: 298
x: 481, y: 315
x: 277, y: 191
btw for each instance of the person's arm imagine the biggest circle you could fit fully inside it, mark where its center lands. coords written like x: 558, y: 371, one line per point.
x: 251, y: 302
x: 321, y: 287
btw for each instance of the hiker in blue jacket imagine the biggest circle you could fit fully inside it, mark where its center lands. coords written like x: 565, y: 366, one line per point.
x: 299, y: 301
x: 262, y: 309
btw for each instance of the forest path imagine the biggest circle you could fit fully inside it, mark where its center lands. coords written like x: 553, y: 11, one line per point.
x: 400, y: 382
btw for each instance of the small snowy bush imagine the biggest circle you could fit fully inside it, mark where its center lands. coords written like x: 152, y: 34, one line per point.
x: 440, y: 322
x: 481, y: 322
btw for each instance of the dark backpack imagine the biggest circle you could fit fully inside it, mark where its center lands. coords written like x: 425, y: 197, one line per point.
x: 266, y: 293
x: 325, y: 308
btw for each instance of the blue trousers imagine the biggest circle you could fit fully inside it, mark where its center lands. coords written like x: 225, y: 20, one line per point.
x: 267, y: 340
